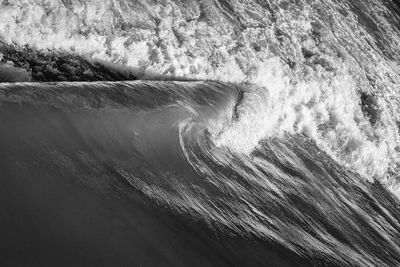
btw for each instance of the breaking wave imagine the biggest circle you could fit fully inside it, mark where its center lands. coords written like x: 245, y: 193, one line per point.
x: 284, y: 128
x: 327, y: 69
x: 178, y: 147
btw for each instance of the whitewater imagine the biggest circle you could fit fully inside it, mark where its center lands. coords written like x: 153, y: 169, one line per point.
x: 271, y: 125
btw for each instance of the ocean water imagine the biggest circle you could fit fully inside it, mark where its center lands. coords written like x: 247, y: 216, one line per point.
x: 133, y: 173
x: 251, y: 133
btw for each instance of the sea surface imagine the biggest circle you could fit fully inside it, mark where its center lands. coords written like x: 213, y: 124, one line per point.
x: 128, y: 173
x: 199, y: 133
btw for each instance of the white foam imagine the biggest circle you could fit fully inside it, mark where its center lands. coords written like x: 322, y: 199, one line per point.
x: 326, y: 110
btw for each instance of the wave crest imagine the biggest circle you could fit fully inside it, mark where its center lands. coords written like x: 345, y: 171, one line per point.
x: 328, y: 110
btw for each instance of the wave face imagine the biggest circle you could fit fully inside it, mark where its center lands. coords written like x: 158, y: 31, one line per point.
x: 326, y: 69
x: 156, y: 149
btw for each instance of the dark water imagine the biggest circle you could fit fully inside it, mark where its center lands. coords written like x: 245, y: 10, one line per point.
x: 117, y: 174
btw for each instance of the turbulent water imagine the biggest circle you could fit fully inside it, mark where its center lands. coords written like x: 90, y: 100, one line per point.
x: 280, y: 146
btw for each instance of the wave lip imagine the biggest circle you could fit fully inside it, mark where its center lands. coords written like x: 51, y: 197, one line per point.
x: 355, y: 131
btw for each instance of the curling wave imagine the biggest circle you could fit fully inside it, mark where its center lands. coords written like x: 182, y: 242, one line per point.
x: 174, y: 147
x: 326, y: 69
